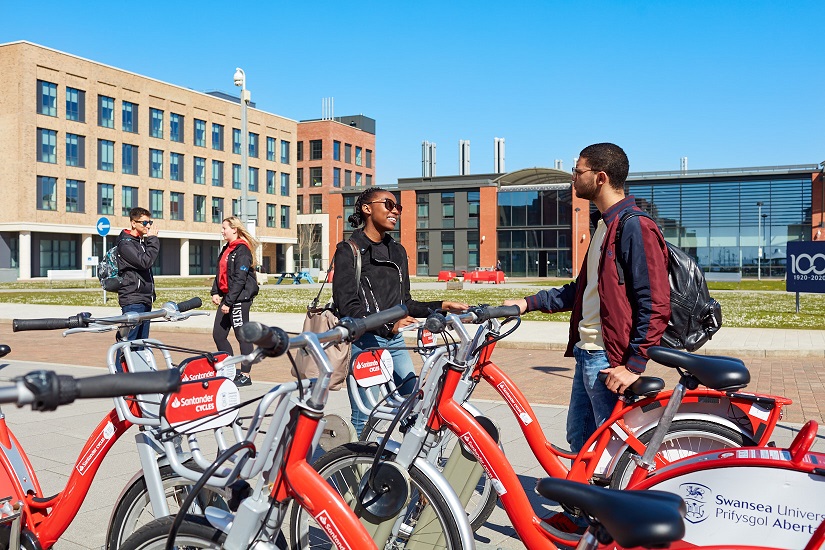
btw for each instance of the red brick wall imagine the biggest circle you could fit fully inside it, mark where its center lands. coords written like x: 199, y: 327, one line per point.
x: 817, y: 213
x: 487, y: 224
x: 408, y: 217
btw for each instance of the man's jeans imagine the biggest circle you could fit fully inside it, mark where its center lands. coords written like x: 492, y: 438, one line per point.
x: 591, y: 403
x: 137, y: 332
x: 403, y: 371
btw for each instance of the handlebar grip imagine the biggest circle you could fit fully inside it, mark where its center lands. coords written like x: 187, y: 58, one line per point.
x: 358, y: 327
x: 127, y: 383
x: 273, y: 340
x: 436, y: 323
x: 191, y: 303
x: 497, y: 311
x: 75, y: 321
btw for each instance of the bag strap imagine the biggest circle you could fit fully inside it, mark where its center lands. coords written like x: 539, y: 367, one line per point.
x: 622, y: 220
x: 357, y: 262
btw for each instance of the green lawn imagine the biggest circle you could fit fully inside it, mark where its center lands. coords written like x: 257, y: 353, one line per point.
x: 762, y: 304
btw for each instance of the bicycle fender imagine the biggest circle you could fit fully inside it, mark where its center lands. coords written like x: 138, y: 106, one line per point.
x: 462, y: 521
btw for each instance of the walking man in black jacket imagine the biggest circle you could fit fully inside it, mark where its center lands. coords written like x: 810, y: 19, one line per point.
x: 137, y: 250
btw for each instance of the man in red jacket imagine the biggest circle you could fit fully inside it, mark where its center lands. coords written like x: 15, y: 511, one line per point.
x: 613, y: 324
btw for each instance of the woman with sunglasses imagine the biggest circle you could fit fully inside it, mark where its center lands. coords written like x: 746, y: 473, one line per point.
x: 384, y: 283
x: 137, y: 250
x: 233, y: 290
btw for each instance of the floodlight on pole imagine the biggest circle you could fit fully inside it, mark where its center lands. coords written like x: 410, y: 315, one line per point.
x: 240, y: 81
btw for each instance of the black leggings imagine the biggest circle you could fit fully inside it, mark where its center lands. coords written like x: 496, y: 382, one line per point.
x: 237, y: 317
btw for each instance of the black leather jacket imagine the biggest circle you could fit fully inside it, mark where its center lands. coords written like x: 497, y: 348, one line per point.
x: 240, y: 276
x: 135, y: 259
x: 383, y: 284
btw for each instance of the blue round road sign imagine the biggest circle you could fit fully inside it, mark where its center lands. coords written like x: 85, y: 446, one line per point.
x: 103, y: 227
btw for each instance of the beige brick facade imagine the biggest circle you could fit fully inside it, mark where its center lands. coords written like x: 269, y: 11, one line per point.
x: 25, y: 222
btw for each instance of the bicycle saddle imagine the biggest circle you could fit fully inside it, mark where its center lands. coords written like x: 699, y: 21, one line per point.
x: 649, y: 519
x: 4, y: 350
x: 714, y: 371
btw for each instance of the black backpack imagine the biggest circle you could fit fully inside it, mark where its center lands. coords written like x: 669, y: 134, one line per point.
x: 694, y: 316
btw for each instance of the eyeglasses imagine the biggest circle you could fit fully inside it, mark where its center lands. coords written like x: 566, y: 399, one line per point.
x: 577, y: 173
x: 389, y: 204
x: 146, y: 223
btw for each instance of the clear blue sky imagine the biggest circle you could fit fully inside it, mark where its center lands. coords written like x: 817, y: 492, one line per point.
x: 727, y: 84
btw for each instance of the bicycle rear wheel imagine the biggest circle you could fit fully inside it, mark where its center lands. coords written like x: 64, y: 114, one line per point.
x: 483, y: 500
x: 425, y: 523
x: 685, y: 438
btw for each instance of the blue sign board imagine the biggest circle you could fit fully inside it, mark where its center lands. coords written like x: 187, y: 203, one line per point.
x: 103, y: 227
x: 806, y: 267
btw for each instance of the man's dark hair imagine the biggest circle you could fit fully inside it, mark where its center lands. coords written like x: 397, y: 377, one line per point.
x: 357, y: 218
x: 610, y: 159
x: 136, y: 212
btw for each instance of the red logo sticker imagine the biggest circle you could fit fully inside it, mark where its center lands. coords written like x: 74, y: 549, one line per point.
x: 199, y: 400
x: 372, y: 368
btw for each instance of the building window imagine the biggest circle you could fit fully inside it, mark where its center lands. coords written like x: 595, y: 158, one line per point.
x: 75, y: 105
x: 217, y: 137
x: 155, y: 163
x: 347, y: 178
x: 217, y: 173
x: 336, y: 150
x: 422, y: 245
x: 175, y: 167
x: 75, y: 193
x: 299, y: 152
x: 299, y: 178
x: 105, y: 111
x: 358, y: 151
x: 106, y: 155
x: 284, y: 152
x: 129, y: 198
x: 217, y: 210
x: 46, y: 146
x: 236, y: 207
x: 176, y: 205
x: 284, y: 184
x: 300, y: 204
x: 448, y: 210
x: 200, y: 208
x: 270, y: 149
x: 75, y: 150
x: 369, y: 180
x: 46, y: 193
x: 270, y: 182
x: 358, y: 181
x: 236, y: 176
x: 156, y: 203
x: 447, y: 249
x: 46, y: 99
x: 422, y: 210
x: 129, y: 159
x: 105, y: 199
x: 270, y: 215
x: 316, y: 149
x: 236, y: 141
x: 316, y: 178
x: 156, y: 123
x: 472, y: 249
x: 474, y: 208
x: 253, y: 145
x: 253, y: 179
x: 369, y: 159
x: 284, y: 217
x: 129, y: 117
x: 200, y: 170
x: 176, y: 125
x: 316, y: 204
x: 336, y: 177
x: 200, y: 133
x: 348, y: 153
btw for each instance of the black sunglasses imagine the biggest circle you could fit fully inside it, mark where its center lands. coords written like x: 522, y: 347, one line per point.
x: 146, y: 223
x: 390, y: 205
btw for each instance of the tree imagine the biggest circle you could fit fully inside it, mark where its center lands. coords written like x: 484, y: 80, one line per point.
x: 309, y: 246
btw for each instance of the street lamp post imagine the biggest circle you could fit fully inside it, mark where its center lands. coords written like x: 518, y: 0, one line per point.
x: 576, y: 243
x: 759, y: 243
x: 240, y: 80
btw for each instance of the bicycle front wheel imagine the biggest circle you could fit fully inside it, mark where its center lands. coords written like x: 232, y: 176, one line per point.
x: 483, y: 500
x: 426, y: 522
x: 194, y: 532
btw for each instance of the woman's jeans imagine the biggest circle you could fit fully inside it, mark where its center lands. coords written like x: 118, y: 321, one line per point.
x: 591, y: 403
x: 403, y: 371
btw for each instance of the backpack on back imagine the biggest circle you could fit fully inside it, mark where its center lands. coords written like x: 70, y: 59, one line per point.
x: 694, y: 316
x: 108, y: 271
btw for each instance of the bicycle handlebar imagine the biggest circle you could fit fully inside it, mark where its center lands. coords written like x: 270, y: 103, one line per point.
x: 357, y: 327
x: 486, y: 313
x: 47, y: 390
x: 170, y: 311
